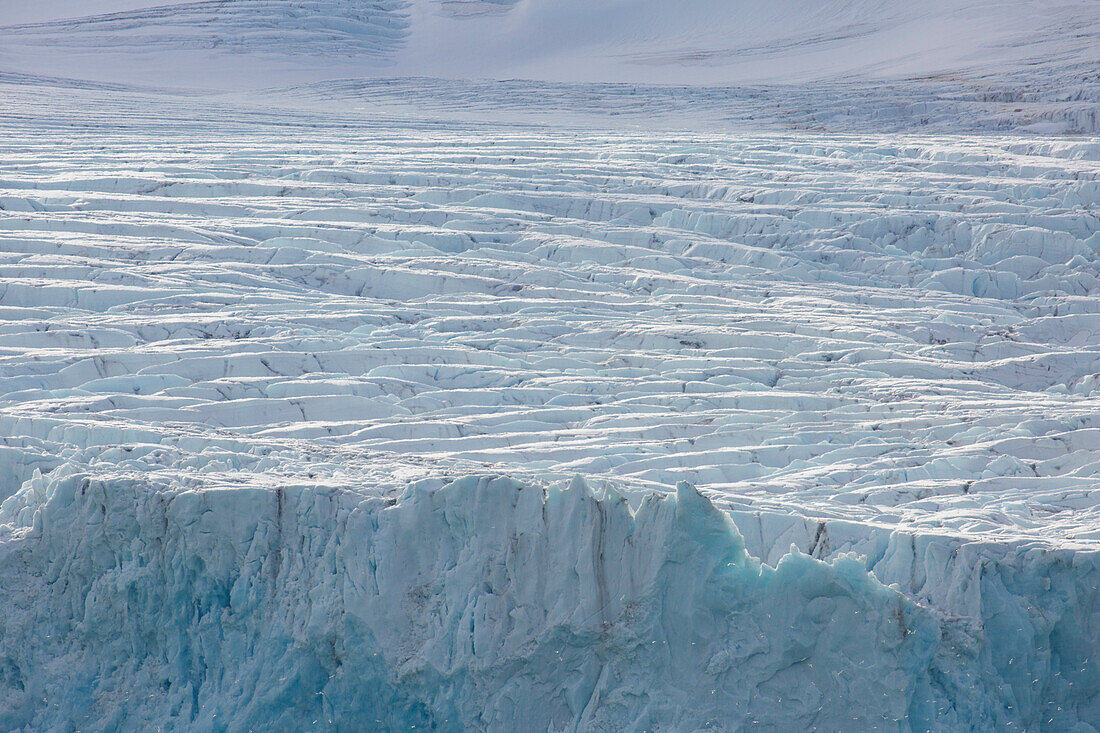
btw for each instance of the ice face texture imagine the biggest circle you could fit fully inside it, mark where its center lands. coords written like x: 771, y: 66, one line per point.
x: 488, y: 604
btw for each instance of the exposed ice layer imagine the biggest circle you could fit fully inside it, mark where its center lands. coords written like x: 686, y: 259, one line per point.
x: 489, y: 604
x: 318, y: 28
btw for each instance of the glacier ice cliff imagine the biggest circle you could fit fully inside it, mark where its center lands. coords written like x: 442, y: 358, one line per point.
x: 236, y: 386
x: 486, y: 603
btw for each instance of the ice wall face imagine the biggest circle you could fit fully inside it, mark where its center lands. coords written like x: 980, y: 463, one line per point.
x: 481, y: 604
x: 485, y: 604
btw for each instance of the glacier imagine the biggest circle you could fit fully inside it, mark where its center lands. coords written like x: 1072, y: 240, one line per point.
x: 485, y: 603
x: 517, y: 365
x: 292, y: 414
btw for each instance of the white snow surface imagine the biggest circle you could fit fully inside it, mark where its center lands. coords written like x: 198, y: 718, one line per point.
x: 842, y: 65
x: 292, y: 404
x: 702, y: 41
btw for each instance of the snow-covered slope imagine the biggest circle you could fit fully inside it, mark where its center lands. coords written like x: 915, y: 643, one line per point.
x: 741, y: 41
x: 701, y: 42
x: 942, y: 65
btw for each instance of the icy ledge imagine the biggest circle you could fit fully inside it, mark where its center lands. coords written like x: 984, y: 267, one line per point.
x: 488, y: 604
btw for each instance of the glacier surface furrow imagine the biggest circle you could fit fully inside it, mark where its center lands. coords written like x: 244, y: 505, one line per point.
x: 290, y: 405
